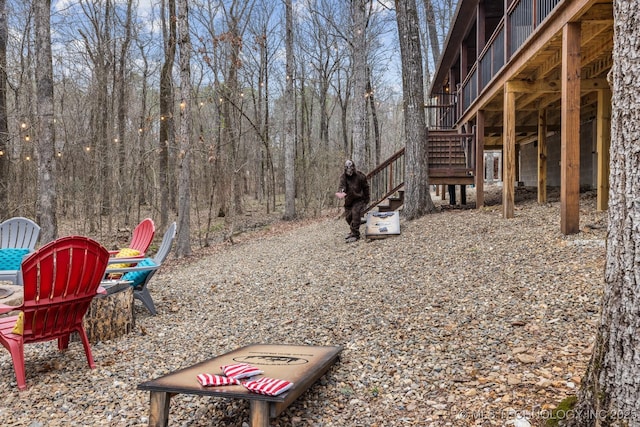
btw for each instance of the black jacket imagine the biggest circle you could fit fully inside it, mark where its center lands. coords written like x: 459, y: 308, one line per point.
x: 356, y: 187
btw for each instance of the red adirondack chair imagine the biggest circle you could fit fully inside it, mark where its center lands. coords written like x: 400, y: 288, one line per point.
x: 60, y: 280
x: 142, y: 236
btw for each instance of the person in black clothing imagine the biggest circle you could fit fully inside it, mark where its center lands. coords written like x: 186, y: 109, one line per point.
x: 355, y: 190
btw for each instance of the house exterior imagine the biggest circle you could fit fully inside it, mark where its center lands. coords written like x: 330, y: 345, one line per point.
x: 529, y: 79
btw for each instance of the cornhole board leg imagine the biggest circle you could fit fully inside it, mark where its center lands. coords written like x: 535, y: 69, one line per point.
x: 159, y: 412
x: 259, y: 413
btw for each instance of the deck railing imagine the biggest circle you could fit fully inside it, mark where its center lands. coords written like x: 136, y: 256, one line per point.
x: 442, y: 111
x: 491, y: 58
x: 522, y: 18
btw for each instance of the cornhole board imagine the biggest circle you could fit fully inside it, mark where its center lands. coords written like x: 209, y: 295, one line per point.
x: 382, y: 224
x: 300, y: 364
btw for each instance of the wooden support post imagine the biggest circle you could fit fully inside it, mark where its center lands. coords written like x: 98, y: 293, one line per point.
x: 570, y: 130
x: 603, y: 135
x: 542, y: 156
x: 479, y: 172
x: 259, y: 413
x: 159, y: 409
x: 509, y: 152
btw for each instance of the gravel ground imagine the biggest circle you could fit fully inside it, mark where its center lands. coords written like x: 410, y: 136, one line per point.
x: 463, y: 319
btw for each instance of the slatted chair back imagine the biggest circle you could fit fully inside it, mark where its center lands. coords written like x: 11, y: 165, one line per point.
x: 165, y: 246
x: 143, y: 235
x: 19, y: 232
x: 60, y: 279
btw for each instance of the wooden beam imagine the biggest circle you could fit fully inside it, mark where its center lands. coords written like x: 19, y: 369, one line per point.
x: 599, y: 12
x: 521, y: 129
x: 540, y: 86
x: 570, y: 130
x: 587, y: 85
x: 542, y: 156
x: 509, y: 153
x: 479, y: 159
x: 553, y: 86
x: 603, y: 135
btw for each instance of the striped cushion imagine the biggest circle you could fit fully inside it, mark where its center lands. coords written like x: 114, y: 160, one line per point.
x: 268, y: 386
x: 240, y: 370
x: 216, y: 380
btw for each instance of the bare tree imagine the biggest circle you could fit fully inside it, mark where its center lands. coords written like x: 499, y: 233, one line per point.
x: 183, y: 240
x: 377, y: 138
x: 121, y: 82
x: 46, y: 204
x: 289, y: 131
x: 610, y: 391
x: 259, y: 61
x: 432, y: 30
x: 359, y: 104
x: 97, y: 36
x: 417, y: 197
x: 4, y: 125
x: 167, y: 130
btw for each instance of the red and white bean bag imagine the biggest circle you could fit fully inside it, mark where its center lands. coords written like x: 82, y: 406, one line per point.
x: 240, y: 370
x: 268, y: 386
x: 216, y: 380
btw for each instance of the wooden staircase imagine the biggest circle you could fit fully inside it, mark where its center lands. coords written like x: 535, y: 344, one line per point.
x: 393, y: 202
x: 451, y: 161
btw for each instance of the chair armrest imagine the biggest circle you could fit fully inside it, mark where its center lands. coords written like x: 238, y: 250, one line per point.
x: 130, y: 259
x: 128, y: 269
x: 8, y: 308
x: 127, y: 260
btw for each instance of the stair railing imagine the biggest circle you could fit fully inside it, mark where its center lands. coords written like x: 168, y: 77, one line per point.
x: 386, y: 178
x: 451, y: 156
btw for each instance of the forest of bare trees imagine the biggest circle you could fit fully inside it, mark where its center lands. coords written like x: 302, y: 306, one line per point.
x: 111, y: 111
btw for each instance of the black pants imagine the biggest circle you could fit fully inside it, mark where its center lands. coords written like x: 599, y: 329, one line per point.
x: 452, y: 194
x: 354, y: 215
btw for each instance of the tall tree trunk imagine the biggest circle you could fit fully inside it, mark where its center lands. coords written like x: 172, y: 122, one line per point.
x: 432, y: 29
x: 417, y: 197
x: 610, y: 391
x: 167, y: 133
x: 377, y: 152
x: 359, y: 105
x: 140, y: 180
x: 46, y: 201
x: 289, y: 125
x: 4, y: 125
x: 123, y: 181
x: 105, y: 116
x: 183, y: 241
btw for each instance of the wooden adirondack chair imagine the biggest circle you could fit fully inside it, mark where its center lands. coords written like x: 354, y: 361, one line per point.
x: 143, y: 269
x: 60, y: 280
